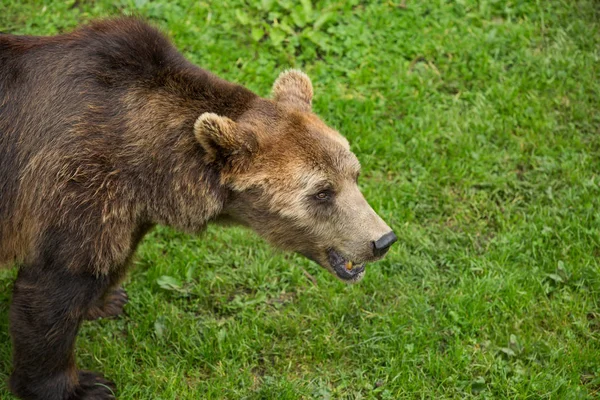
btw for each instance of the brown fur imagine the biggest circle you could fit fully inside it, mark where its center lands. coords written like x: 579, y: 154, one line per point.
x: 107, y: 131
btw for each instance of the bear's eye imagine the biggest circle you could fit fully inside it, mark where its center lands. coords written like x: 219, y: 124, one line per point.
x: 323, y: 195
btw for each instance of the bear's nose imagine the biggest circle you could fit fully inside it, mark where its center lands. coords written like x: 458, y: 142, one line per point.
x: 382, y: 245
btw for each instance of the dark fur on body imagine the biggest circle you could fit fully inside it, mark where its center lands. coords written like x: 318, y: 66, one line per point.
x: 107, y: 131
x: 95, y: 148
x: 95, y: 124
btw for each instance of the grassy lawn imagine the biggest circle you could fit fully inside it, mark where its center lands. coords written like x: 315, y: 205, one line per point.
x: 478, y: 127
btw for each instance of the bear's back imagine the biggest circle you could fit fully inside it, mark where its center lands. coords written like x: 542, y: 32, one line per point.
x: 85, y: 119
x: 60, y: 95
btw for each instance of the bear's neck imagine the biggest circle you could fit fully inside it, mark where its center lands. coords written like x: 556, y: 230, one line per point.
x: 186, y: 192
x: 192, y: 91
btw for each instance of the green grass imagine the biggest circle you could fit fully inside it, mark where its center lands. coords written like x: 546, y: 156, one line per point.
x: 477, y: 124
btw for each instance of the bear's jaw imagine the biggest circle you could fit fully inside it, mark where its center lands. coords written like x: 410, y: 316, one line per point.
x: 344, y: 268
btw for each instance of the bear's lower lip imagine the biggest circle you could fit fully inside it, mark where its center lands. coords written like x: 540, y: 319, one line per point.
x: 338, y: 263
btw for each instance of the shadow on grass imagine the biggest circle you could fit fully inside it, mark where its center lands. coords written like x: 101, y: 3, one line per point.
x: 6, y: 285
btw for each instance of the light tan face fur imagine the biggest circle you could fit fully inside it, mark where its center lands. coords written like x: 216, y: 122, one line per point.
x: 293, y: 179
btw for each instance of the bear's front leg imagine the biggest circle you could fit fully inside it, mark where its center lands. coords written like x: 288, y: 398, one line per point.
x: 109, y: 306
x: 47, y: 308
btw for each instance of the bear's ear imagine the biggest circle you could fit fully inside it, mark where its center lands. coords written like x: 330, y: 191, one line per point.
x: 294, y: 87
x: 222, y: 138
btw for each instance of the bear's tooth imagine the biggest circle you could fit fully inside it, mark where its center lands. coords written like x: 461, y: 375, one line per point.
x: 348, y: 265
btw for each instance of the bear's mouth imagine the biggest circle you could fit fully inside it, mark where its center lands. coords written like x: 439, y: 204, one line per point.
x: 345, y: 269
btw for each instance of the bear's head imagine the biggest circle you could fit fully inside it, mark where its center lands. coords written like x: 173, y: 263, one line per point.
x: 293, y: 180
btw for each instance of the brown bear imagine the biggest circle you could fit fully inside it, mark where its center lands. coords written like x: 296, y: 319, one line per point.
x: 108, y: 131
